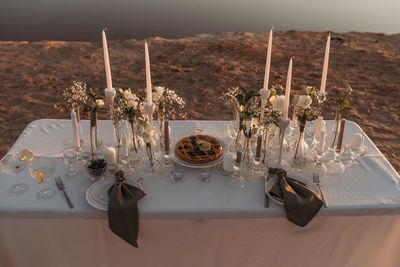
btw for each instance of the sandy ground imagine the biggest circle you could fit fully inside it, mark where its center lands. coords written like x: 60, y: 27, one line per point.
x: 200, y: 68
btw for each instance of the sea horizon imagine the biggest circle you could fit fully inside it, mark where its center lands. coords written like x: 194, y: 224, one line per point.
x: 60, y: 20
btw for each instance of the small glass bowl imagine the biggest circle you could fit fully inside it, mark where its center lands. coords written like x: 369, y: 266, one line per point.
x: 11, y: 164
x: 97, y: 168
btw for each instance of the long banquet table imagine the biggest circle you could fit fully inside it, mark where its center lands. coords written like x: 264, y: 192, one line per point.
x: 200, y: 224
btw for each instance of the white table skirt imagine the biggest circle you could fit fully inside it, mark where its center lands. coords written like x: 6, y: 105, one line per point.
x: 367, y: 241
x: 196, y: 224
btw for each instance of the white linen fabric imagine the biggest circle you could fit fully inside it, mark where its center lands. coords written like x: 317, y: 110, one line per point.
x: 197, y: 224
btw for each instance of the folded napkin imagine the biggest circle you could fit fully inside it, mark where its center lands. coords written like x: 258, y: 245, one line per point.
x: 301, y: 203
x: 123, y: 212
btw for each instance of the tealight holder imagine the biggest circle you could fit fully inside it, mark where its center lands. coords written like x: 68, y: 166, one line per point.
x: 177, y: 175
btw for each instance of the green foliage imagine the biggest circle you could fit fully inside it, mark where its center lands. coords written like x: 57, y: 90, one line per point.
x: 342, y: 100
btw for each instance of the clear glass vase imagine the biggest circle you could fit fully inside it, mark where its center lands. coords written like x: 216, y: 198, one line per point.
x: 135, y: 152
x: 161, y: 130
x: 81, y: 136
x: 335, y: 131
x: 300, y: 151
x: 151, y: 164
x: 267, y: 134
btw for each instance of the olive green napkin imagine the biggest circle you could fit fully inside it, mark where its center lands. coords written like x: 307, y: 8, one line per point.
x: 301, y: 203
x: 123, y: 212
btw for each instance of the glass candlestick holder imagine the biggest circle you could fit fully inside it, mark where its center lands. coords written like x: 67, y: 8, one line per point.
x: 321, y: 97
x: 256, y: 173
x: 77, y: 163
x: 167, y: 163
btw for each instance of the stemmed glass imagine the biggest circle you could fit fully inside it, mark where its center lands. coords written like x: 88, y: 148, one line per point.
x: 40, y: 169
x: 356, y: 148
x: 336, y: 165
x: 72, y: 158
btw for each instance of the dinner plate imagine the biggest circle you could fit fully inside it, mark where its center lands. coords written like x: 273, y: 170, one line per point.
x: 177, y: 160
x: 96, y: 194
x: 274, y: 180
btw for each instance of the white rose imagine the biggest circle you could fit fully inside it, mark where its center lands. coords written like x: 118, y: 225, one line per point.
x: 272, y: 99
x: 99, y: 103
x: 279, y: 103
x: 157, y: 94
x: 304, y: 101
x: 128, y: 94
x: 132, y: 104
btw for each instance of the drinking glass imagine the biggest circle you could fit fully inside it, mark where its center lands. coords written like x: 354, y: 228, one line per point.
x: 45, y: 167
x: 336, y: 165
x: 72, y: 158
x: 356, y: 148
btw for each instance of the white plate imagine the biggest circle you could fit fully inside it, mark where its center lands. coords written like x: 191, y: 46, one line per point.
x: 273, y: 180
x: 96, y: 194
x: 202, y: 165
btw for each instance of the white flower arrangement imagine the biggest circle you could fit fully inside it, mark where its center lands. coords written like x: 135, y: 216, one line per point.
x: 279, y: 103
x: 125, y: 105
x: 163, y: 98
x: 99, y: 103
x: 304, y: 101
x: 144, y: 130
x: 304, y: 111
x: 76, y: 95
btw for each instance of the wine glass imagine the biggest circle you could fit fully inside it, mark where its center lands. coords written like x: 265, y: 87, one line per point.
x: 40, y: 169
x: 356, y: 148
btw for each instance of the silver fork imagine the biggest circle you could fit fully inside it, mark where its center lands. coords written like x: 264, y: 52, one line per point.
x: 61, y: 187
x: 318, y: 183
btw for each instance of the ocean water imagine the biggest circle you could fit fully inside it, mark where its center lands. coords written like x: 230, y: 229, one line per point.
x: 84, y: 19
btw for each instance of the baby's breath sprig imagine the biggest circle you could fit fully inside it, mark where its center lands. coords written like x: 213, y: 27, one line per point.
x: 76, y: 95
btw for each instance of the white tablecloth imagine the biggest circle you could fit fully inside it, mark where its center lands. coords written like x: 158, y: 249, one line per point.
x: 197, y: 224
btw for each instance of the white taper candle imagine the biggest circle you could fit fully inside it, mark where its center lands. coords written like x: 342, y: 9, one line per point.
x: 125, y: 148
x: 107, y: 61
x: 268, y: 61
x: 325, y: 67
x: 148, y: 76
x: 287, y: 90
